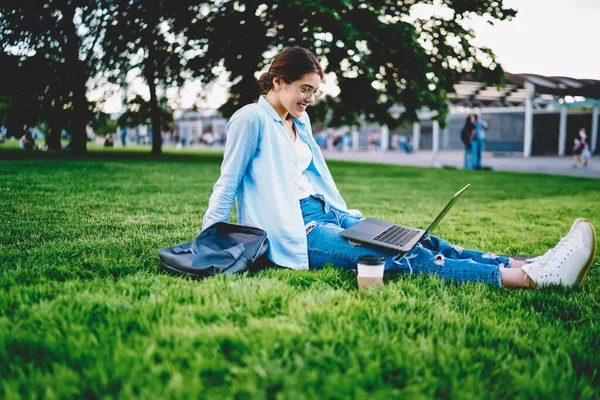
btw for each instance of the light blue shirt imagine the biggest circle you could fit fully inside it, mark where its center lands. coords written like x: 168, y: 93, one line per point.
x: 260, y: 171
x: 480, y: 127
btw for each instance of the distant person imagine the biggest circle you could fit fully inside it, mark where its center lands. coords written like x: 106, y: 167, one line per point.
x: 109, y: 141
x: 320, y: 139
x: 275, y: 173
x: 581, y: 149
x: 395, y: 142
x: 405, y: 144
x: 467, y: 133
x: 337, y: 142
x: 346, y: 140
x: 478, y: 142
x: 335, y: 139
x: 124, y: 136
x: 208, y: 139
x: 27, y: 141
x: 374, y: 143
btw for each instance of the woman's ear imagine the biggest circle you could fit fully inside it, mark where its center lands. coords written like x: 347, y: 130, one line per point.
x: 276, y: 83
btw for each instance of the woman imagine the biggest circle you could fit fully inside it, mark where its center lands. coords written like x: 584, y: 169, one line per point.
x: 467, y: 133
x: 274, y: 170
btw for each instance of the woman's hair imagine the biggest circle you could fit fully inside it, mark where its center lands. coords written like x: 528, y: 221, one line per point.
x: 468, y: 121
x: 289, y: 65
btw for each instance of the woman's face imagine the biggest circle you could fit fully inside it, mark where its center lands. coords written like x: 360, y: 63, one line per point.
x: 296, y: 96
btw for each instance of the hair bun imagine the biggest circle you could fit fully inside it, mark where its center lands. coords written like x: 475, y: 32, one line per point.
x: 264, y: 82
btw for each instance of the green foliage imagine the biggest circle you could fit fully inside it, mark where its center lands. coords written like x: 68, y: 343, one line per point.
x: 54, y: 47
x: 139, y: 112
x: 379, y: 56
x: 148, y: 36
x: 103, y: 125
x: 33, y: 91
x: 85, y: 311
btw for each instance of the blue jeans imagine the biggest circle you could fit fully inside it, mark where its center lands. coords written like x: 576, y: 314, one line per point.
x: 431, y: 256
x: 468, y: 156
x: 476, y: 149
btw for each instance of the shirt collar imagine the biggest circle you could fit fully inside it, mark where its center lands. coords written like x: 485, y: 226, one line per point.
x: 262, y: 101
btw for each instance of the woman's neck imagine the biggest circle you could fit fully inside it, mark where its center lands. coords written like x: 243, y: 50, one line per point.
x: 273, y: 100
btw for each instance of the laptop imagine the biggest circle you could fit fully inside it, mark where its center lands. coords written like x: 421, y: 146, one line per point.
x: 393, y: 236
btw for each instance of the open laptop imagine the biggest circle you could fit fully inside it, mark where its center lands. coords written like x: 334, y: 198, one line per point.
x: 393, y: 236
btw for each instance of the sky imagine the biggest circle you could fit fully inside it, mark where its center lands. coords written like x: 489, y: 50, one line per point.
x: 547, y: 37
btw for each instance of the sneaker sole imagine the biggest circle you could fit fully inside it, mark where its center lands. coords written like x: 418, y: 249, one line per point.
x: 590, y: 259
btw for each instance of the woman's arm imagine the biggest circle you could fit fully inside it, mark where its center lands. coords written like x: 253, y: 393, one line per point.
x: 243, y: 132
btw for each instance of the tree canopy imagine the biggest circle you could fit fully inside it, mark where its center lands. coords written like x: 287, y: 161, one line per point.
x: 377, y: 53
x: 58, y: 40
x: 147, y: 36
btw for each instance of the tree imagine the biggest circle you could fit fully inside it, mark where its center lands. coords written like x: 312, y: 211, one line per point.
x: 378, y: 54
x: 102, y: 124
x: 63, y: 34
x: 34, y: 92
x: 139, y: 112
x: 148, y: 36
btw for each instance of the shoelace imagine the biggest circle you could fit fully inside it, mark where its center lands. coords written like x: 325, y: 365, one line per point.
x: 544, y: 278
x: 548, y: 255
x: 551, y: 261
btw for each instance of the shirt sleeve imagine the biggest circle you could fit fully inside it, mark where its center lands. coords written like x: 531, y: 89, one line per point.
x: 242, y: 140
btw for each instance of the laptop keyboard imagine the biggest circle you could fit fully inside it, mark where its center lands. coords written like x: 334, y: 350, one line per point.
x: 396, y: 235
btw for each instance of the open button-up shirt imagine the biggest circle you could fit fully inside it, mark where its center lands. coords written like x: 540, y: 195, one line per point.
x: 259, y: 172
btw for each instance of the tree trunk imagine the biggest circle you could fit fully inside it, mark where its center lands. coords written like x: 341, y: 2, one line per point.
x: 77, y: 71
x: 155, y: 114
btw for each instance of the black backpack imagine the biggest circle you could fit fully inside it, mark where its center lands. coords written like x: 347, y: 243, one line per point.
x: 465, y: 135
x: 222, y: 248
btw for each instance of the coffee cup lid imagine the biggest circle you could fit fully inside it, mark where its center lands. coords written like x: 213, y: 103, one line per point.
x: 371, y: 260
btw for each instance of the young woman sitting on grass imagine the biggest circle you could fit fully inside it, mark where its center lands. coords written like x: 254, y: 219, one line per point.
x: 274, y: 170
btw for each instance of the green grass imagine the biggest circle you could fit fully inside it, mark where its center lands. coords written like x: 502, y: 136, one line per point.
x: 86, y: 312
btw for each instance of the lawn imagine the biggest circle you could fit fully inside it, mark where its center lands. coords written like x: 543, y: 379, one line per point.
x: 86, y: 312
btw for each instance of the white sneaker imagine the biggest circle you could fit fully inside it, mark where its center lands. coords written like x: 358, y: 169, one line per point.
x: 570, y: 260
x: 546, y: 257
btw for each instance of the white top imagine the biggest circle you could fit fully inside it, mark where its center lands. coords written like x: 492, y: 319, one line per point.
x: 305, y: 189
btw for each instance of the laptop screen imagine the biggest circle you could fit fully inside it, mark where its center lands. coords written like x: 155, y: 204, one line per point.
x: 446, y: 209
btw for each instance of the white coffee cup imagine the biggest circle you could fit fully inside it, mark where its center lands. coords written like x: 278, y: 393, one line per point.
x: 370, y: 271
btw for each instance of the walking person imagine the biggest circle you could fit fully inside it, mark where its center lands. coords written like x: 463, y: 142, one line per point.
x: 467, y: 133
x: 274, y: 171
x: 581, y: 149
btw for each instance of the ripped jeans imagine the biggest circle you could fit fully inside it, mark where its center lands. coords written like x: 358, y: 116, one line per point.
x: 431, y: 256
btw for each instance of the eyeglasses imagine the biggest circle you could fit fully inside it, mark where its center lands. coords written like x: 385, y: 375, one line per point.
x: 308, y: 92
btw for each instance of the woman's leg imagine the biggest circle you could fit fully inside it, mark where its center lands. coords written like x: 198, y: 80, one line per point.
x: 515, y: 278
x: 468, y: 157
x: 454, y: 251
x: 448, y: 250
x: 477, y: 161
x: 325, y: 245
x: 474, y: 154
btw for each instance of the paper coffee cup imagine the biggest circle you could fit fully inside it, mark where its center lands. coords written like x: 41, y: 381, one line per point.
x: 370, y: 271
